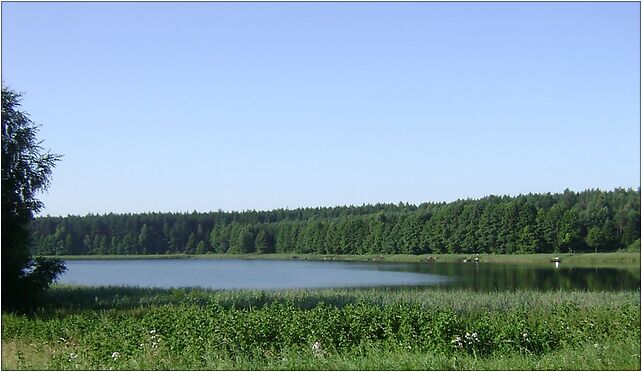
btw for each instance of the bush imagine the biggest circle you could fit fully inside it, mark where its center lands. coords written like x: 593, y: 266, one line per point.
x: 45, y: 271
x: 37, y: 277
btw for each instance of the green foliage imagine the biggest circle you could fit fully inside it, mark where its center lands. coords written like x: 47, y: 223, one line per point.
x: 595, y: 238
x: 634, y: 247
x: 535, y: 223
x: 44, y: 272
x: 264, y: 242
x: 26, y: 170
x: 130, y: 328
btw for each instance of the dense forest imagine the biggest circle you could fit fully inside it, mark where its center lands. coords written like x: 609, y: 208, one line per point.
x: 587, y: 221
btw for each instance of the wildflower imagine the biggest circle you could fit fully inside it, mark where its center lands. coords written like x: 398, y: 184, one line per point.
x: 316, y: 348
x: 154, y: 338
x: 72, y: 356
x: 115, y: 355
x: 457, y: 342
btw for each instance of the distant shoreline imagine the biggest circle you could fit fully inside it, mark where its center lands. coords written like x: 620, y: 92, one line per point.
x: 575, y: 259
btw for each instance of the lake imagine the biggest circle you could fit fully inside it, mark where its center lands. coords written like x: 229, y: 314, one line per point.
x: 289, y: 274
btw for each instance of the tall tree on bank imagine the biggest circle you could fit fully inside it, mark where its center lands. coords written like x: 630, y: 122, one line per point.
x: 26, y: 169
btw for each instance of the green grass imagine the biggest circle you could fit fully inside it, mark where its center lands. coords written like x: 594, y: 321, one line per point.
x: 68, y: 299
x: 578, y: 259
x: 82, y: 328
x: 621, y: 355
x: 634, y: 247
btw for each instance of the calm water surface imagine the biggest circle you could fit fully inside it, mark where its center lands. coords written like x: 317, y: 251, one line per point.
x: 286, y: 274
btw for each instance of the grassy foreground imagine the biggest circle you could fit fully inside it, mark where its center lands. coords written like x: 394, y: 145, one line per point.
x: 375, y: 329
x: 577, y: 259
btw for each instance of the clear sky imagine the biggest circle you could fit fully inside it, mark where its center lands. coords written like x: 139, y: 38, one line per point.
x: 235, y: 106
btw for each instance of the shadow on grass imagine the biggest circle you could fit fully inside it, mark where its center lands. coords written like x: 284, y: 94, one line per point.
x: 65, y: 300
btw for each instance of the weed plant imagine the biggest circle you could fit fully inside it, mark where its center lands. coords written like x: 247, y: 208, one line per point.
x: 137, y: 328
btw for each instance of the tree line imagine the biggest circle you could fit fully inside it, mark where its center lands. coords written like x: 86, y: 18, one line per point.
x: 587, y: 221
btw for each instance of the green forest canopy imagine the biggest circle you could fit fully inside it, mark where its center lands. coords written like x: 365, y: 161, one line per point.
x: 588, y: 221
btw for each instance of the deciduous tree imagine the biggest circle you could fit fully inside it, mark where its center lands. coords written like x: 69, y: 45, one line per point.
x: 26, y: 170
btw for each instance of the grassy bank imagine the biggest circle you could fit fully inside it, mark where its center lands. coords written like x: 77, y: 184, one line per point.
x: 577, y: 259
x: 139, y: 328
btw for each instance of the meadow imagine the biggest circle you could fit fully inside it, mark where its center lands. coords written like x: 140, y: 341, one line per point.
x: 142, y: 328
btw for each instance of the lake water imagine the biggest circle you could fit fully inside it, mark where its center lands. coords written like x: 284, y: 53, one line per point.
x: 287, y: 274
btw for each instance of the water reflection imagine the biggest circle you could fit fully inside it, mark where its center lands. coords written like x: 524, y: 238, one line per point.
x: 490, y: 277
x: 281, y: 274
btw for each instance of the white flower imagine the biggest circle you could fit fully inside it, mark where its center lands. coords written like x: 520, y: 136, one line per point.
x: 115, y: 355
x: 73, y: 356
x: 457, y: 342
x: 525, y: 334
x: 152, y: 331
x: 316, y: 348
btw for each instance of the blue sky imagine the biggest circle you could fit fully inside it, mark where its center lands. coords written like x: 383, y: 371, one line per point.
x: 235, y: 106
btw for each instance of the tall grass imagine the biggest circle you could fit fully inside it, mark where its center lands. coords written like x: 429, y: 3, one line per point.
x: 68, y: 298
x: 137, y: 328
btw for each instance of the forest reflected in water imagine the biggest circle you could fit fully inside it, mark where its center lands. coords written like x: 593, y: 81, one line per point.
x: 496, y: 276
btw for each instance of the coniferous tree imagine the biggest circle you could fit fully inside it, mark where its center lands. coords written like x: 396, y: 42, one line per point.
x: 523, y: 224
x: 201, y: 247
x: 264, y: 242
x: 190, y: 246
x: 145, y: 239
x: 246, y: 240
